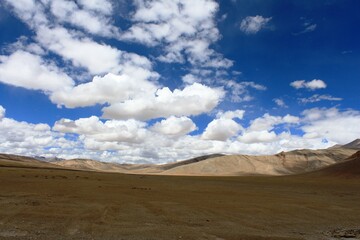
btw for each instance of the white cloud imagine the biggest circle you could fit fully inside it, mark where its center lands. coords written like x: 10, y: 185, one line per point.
x: 110, y: 131
x: 258, y: 137
x: 91, y: 17
x: 101, y: 6
x: 309, y: 28
x: 90, y: 21
x: 2, y: 112
x: 280, y: 102
x: 73, y: 46
x: 192, y: 100
x: 318, y: 98
x: 175, y: 126
x: 81, y: 51
x: 290, y: 119
x: 221, y: 129
x: 168, y: 140
x: 239, y: 91
x: 169, y: 20
x: 126, y: 81
x: 268, y: 122
x: 311, y: 85
x: 30, y: 11
x: 108, y: 89
x: 25, y: 45
x: 184, y: 28
x: 332, y: 124
x: 231, y: 114
x: 190, y: 79
x: 253, y: 24
x: 127, y: 84
x: 23, y: 69
x: 29, y: 139
x: 261, y: 129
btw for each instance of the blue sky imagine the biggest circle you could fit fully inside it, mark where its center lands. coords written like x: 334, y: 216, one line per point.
x: 158, y: 81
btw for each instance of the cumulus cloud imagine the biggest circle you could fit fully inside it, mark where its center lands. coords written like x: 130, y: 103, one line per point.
x: 185, y: 29
x: 81, y: 51
x: 190, y: 79
x: 258, y: 137
x: 318, y: 98
x: 332, y: 124
x: 261, y: 129
x: 182, y: 31
x: 109, y: 131
x: 94, y: 22
x: 168, y: 140
x: 175, y: 126
x: 253, y: 24
x: 30, y: 11
x: 239, y: 91
x: 223, y: 127
x: 24, y: 44
x: 110, y: 88
x: 267, y: 122
x: 311, y: 85
x: 101, y: 6
x: 30, y: 139
x: 192, y: 100
x: 71, y: 45
x: 231, y: 114
x: 280, y: 102
x: 91, y: 16
x: 124, y: 80
x: 24, y: 69
x: 2, y: 112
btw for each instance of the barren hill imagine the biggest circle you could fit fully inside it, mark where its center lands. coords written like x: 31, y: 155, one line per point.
x: 354, y: 144
x: 297, y: 161
x: 88, y: 164
x: 350, y: 168
x: 284, y: 163
x: 10, y: 160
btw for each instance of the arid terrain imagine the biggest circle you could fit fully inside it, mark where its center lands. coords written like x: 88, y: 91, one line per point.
x: 284, y: 163
x: 39, y: 200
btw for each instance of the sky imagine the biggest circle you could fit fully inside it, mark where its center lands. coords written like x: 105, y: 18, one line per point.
x: 156, y: 81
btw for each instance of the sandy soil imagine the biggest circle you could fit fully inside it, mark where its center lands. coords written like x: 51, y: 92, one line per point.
x: 40, y: 203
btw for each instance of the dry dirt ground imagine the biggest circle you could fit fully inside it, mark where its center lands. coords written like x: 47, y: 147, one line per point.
x: 64, y: 204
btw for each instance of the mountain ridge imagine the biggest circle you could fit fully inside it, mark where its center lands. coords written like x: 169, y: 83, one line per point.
x: 283, y: 163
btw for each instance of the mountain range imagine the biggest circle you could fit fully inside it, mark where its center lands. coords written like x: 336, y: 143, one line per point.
x: 283, y: 163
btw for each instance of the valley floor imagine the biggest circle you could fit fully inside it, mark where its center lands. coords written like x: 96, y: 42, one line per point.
x: 64, y: 204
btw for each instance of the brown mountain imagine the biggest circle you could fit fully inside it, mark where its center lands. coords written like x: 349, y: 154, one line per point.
x: 284, y: 163
x: 11, y: 160
x: 349, y: 168
x: 354, y: 144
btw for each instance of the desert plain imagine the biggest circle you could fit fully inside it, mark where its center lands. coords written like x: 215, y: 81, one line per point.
x: 47, y: 201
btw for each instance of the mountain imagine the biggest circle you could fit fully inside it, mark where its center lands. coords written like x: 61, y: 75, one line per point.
x: 354, y: 144
x: 189, y: 161
x: 283, y: 163
x: 11, y: 160
x: 349, y: 168
x: 93, y: 165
